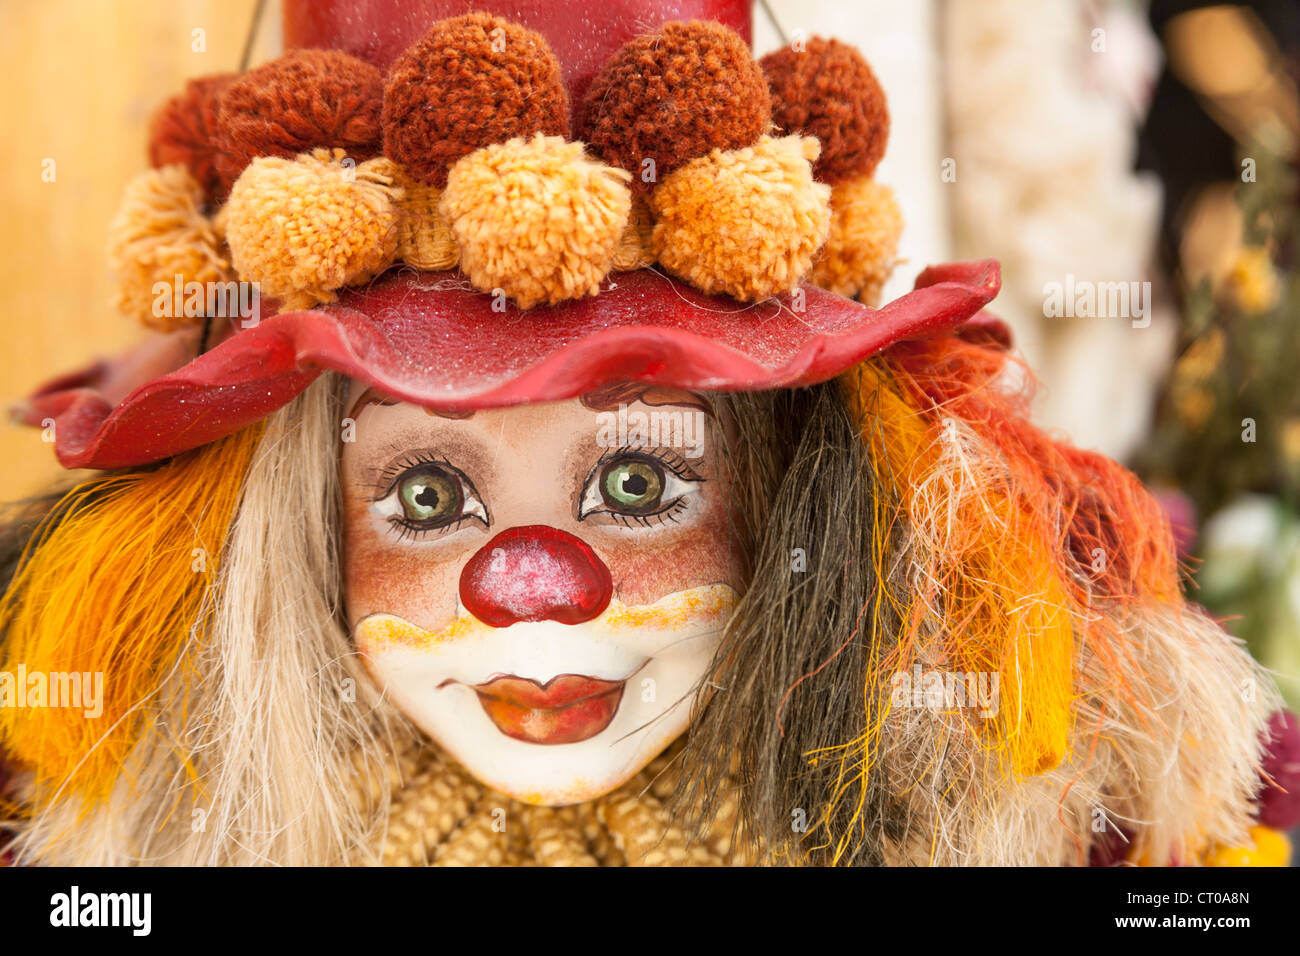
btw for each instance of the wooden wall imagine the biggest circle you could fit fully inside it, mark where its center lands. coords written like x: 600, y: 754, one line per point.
x: 81, y: 78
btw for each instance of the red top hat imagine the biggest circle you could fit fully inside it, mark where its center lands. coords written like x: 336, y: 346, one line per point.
x: 468, y: 212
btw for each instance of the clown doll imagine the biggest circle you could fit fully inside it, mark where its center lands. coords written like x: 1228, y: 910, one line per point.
x: 526, y: 472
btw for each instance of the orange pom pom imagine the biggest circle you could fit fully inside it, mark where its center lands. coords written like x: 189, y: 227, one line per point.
x: 304, y: 228
x: 860, y: 253
x: 537, y: 219
x: 744, y: 222
x: 160, y: 232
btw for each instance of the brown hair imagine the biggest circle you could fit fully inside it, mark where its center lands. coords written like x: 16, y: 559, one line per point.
x: 787, y: 678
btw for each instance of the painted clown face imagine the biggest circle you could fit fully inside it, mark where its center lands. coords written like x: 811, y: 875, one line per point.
x: 541, y: 588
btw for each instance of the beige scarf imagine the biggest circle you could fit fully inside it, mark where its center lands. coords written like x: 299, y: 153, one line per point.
x: 440, y: 816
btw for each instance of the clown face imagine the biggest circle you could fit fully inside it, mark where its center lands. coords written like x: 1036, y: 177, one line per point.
x: 540, y: 589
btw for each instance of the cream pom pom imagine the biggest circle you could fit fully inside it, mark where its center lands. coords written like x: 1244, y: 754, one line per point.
x: 537, y: 219
x: 744, y: 222
x: 866, y: 224
x: 304, y: 228
x: 160, y: 232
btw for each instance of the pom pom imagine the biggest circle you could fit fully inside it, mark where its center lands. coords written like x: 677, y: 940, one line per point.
x: 304, y: 100
x: 424, y: 238
x: 672, y: 96
x: 536, y: 218
x: 827, y: 90
x: 860, y: 253
x: 304, y: 228
x: 472, y: 81
x: 744, y: 222
x: 160, y: 232
x: 184, y: 131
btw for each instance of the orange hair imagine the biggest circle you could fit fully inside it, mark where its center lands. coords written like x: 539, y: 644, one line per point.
x: 115, y: 582
x: 1015, y: 543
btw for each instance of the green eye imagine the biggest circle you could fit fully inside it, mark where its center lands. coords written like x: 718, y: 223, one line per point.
x: 430, y: 496
x: 632, y: 485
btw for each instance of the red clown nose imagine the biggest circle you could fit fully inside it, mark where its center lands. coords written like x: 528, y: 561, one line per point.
x: 535, y: 573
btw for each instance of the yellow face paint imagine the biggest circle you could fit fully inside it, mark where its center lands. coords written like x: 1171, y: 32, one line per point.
x: 553, y: 713
x: 696, y: 606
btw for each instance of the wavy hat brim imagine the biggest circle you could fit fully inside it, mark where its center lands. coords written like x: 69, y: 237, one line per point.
x: 430, y: 339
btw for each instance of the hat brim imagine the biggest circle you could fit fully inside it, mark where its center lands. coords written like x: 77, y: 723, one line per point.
x: 430, y: 339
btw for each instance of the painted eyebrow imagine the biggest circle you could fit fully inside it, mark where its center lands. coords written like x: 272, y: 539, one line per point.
x: 610, y: 397
x: 602, y: 400
x: 372, y: 397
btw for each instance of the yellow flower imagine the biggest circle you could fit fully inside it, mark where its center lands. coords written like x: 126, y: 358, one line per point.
x: 1266, y: 847
x: 1291, y: 442
x: 1194, y: 405
x: 1202, y: 357
x: 1252, y: 280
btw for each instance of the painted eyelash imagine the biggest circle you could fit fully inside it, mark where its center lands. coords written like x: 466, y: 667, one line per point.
x: 407, y: 530
x: 664, y: 455
x: 386, y: 480
x: 387, y: 483
x: 667, y: 513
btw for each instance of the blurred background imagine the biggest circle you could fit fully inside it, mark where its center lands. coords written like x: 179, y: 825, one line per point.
x: 1081, y: 142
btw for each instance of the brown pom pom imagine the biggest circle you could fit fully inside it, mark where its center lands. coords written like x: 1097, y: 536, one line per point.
x: 472, y: 81
x: 184, y: 131
x: 827, y: 90
x: 304, y: 100
x: 672, y: 96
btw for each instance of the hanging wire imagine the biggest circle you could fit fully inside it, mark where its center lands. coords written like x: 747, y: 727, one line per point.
x: 250, y: 41
x: 776, y: 24
x: 252, y: 35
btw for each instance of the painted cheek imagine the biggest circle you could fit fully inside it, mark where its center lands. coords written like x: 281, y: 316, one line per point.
x: 384, y: 576
x: 676, y: 560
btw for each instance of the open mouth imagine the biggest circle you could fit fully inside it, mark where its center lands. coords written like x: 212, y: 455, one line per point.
x: 565, y: 710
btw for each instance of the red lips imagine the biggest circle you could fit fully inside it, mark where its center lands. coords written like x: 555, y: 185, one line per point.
x: 567, y: 709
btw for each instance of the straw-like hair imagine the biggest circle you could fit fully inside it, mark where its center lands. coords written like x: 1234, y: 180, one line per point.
x: 907, y: 516
x: 255, y: 728
x: 942, y: 533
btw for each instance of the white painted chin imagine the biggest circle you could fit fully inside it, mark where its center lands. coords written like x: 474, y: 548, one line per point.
x: 432, y: 682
